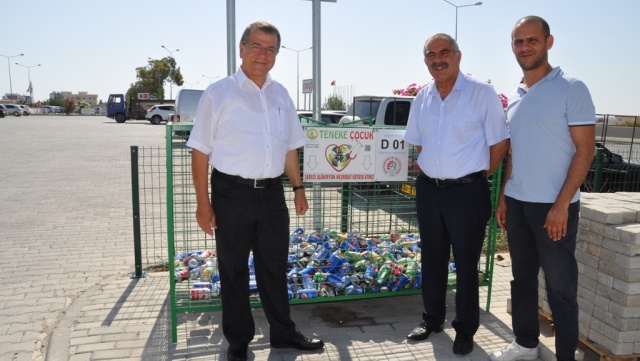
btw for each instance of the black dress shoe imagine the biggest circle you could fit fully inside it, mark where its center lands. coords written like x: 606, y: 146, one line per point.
x: 422, y: 331
x: 463, y: 344
x: 237, y: 352
x: 301, y: 342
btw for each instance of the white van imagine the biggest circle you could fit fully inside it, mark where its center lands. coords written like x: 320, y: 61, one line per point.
x: 186, y: 105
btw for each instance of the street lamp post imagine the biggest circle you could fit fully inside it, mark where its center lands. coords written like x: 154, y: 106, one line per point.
x: 29, y: 77
x: 298, y: 72
x: 460, y: 6
x: 211, y: 78
x: 170, y: 83
x: 9, y: 63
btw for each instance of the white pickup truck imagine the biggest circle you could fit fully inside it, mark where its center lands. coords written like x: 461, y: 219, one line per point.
x: 378, y: 110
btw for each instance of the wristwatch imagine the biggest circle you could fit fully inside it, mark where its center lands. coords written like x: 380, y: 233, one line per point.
x: 295, y: 188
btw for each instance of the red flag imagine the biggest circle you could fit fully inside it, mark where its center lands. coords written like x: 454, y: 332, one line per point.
x: 333, y: 82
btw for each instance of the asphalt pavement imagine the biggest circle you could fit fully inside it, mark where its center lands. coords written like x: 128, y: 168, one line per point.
x: 66, y: 244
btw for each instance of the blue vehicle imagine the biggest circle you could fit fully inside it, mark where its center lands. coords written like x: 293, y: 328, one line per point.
x: 135, y: 108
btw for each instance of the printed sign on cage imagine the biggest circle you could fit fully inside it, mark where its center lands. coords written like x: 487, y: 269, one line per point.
x: 354, y: 155
x: 392, y: 155
x: 339, y: 155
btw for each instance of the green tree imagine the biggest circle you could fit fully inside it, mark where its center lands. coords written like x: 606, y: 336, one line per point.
x: 152, y: 77
x: 334, y: 102
x: 68, y: 104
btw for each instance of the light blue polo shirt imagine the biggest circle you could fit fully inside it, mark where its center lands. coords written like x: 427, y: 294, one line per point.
x: 455, y: 133
x: 541, y: 145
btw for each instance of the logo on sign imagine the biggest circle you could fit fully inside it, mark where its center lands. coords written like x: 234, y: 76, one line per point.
x: 391, y: 166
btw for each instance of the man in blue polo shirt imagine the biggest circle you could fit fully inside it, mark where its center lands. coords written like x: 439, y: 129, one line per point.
x: 551, y: 118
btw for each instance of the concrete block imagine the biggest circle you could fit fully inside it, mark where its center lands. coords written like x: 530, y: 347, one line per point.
x: 630, y: 233
x: 621, y: 247
x: 624, y: 299
x: 596, y: 227
x: 609, y: 344
x: 587, y: 259
x: 621, y: 273
x: 624, y: 312
x: 590, y: 237
x: 607, y: 255
x: 629, y: 262
x: 626, y: 287
x: 619, y: 323
x: 586, y: 271
x: 605, y: 215
x: 611, y: 232
x: 605, y: 280
x: 588, y: 283
x: 583, y: 223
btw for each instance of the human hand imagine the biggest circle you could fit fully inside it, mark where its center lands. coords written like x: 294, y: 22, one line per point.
x: 300, y: 202
x: 501, y: 213
x: 556, y: 222
x: 206, y: 218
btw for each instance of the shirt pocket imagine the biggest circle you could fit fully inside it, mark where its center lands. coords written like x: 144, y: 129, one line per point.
x: 279, y: 117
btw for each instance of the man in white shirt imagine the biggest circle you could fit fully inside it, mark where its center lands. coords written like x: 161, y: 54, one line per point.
x: 458, y: 124
x: 247, y: 128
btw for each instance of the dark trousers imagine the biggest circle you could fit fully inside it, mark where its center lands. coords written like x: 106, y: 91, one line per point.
x: 252, y: 219
x: 452, y: 218
x: 531, y: 248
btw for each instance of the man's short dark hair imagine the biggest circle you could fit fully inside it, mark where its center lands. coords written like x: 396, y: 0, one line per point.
x: 535, y: 19
x: 262, y: 26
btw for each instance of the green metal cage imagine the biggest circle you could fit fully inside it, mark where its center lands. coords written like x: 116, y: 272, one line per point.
x: 375, y: 209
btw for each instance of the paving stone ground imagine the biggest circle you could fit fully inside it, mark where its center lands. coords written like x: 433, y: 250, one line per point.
x: 67, y: 252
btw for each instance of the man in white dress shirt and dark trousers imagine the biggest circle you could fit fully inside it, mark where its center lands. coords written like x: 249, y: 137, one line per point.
x: 247, y: 128
x: 458, y: 124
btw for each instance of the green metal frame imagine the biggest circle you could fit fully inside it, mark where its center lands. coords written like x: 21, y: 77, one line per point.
x: 181, y: 302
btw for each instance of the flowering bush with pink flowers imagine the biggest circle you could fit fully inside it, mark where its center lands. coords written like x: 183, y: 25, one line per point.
x: 411, y: 90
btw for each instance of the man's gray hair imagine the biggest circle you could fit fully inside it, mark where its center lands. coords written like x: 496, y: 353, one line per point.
x: 262, y: 26
x: 452, y: 41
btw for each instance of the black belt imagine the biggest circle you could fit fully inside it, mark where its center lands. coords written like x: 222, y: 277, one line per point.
x: 255, y: 183
x: 454, y: 182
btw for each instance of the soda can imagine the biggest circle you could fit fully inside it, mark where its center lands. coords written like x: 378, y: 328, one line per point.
x: 307, y: 282
x: 308, y: 271
x: 193, y: 263
x: 253, y: 286
x: 371, y: 273
x: 181, y: 274
x: 344, y: 269
x: 215, y: 291
x: 383, y: 274
x: 335, y: 281
x: 194, y: 273
x: 336, y: 261
x: 400, y: 284
x: 307, y: 293
x: 200, y: 293
x: 355, y: 290
x: 179, y: 256
x: 208, y: 285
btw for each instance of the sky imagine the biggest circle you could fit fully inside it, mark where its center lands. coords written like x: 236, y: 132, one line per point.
x: 369, y: 47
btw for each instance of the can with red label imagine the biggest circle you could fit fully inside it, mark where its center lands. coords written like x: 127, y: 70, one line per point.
x: 200, y: 293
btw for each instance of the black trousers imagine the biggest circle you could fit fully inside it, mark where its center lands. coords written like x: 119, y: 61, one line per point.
x: 455, y: 218
x: 531, y: 248
x: 252, y: 219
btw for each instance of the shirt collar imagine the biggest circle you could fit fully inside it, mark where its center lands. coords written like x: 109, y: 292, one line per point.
x: 241, y: 78
x: 460, y: 84
x: 554, y: 73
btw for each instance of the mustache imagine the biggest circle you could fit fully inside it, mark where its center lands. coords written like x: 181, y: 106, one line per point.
x: 443, y: 64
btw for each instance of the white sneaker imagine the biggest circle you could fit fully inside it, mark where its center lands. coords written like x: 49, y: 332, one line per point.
x: 515, y: 352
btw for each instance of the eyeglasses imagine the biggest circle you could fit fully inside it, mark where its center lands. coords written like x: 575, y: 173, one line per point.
x: 257, y: 48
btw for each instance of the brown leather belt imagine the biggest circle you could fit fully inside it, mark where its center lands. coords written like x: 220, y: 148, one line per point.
x: 454, y: 182
x: 255, y: 183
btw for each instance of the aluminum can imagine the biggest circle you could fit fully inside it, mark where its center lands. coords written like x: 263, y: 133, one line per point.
x: 200, y: 293
x: 208, y: 285
x: 335, y: 281
x: 307, y: 293
x: 355, y: 290
x: 400, y: 284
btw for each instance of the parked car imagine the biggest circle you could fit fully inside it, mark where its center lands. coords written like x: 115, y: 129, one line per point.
x: 25, y: 109
x: 14, y: 109
x: 159, y: 113
x: 326, y: 116
x: 47, y: 109
x: 3, y: 111
x: 617, y: 175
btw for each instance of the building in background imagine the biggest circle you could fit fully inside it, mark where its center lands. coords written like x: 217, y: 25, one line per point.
x: 92, y: 99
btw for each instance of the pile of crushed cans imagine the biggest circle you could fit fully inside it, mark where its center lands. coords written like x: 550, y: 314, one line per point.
x: 324, y: 264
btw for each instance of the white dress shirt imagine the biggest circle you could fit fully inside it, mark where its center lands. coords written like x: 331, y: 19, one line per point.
x: 455, y: 133
x: 246, y: 130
